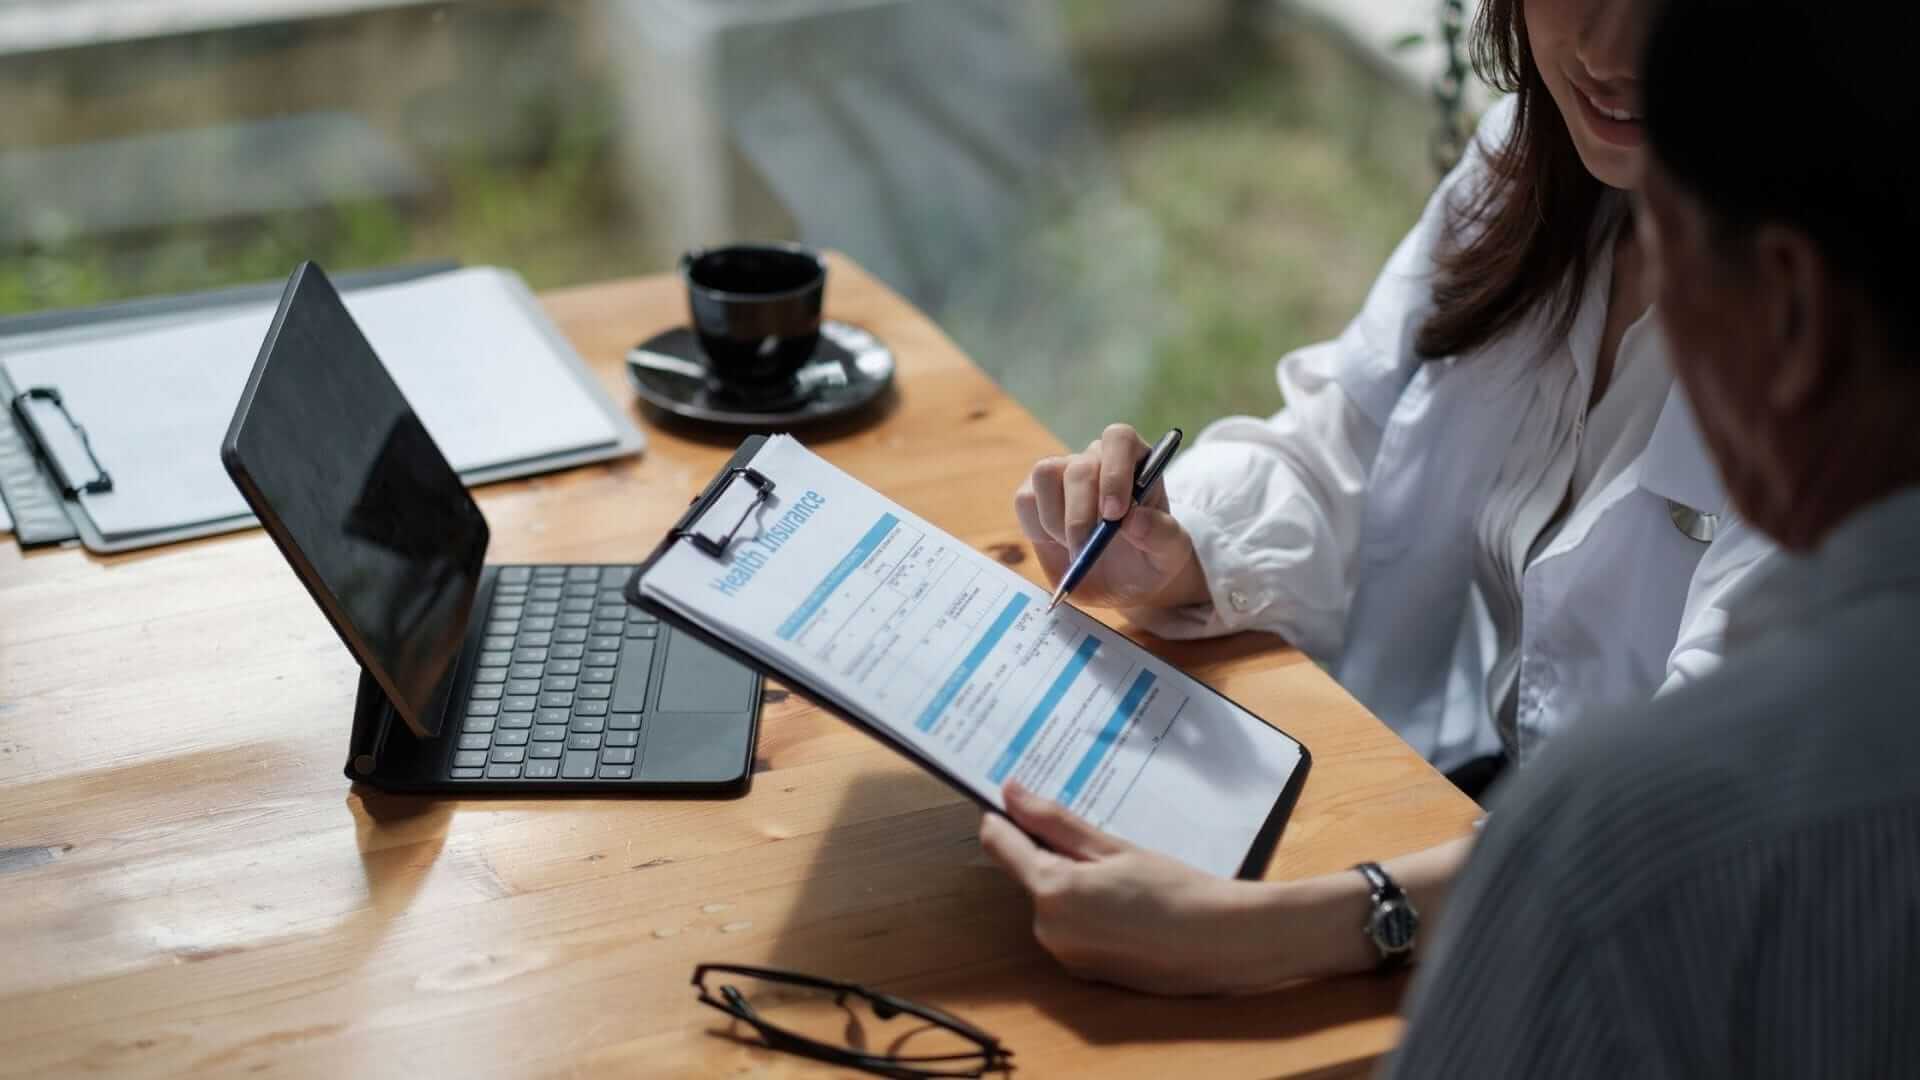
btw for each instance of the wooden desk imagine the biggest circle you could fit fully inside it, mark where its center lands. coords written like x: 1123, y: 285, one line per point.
x: 189, y: 886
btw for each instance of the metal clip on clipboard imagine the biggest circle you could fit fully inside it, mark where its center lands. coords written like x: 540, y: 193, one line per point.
x: 716, y: 544
x: 101, y: 483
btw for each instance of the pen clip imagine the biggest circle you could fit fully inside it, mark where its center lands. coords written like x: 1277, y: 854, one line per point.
x: 101, y: 483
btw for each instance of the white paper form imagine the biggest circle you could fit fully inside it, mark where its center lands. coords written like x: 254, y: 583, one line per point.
x: 954, y: 654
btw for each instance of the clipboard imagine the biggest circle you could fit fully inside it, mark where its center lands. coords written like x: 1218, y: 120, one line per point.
x: 713, y: 538
x: 42, y: 450
x: 46, y: 510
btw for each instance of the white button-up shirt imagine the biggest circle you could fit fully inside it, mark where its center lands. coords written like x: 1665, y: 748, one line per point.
x: 1401, y: 520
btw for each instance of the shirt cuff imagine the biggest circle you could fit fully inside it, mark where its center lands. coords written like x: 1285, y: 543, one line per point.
x: 1238, y: 598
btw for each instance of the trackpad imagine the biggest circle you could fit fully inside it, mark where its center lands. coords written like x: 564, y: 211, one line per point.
x: 699, y: 679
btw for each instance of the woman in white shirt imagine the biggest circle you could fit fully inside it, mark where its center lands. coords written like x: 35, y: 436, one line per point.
x: 1485, y: 507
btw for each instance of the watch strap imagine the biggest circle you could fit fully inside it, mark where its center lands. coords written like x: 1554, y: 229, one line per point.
x: 1382, y: 886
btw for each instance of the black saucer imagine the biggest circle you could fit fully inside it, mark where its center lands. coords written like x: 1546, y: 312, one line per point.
x: 849, y: 369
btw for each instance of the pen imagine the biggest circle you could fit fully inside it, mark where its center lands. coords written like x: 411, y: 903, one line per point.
x: 1144, y: 475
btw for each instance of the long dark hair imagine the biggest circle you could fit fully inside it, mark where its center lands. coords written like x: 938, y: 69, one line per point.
x: 1523, y: 240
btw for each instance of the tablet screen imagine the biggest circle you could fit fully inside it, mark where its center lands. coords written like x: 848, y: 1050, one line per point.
x: 366, y: 508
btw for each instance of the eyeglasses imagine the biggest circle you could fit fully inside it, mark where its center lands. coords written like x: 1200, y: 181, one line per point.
x: 811, y: 1017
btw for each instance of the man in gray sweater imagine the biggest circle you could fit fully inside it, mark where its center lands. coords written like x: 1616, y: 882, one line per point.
x: 1728, y: 882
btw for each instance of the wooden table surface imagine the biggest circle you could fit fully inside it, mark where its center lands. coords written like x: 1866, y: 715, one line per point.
x: 188, y: 884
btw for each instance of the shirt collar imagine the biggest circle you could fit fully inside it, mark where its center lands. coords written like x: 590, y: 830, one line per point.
x: 1676, y: 465
x: 1877, y: 548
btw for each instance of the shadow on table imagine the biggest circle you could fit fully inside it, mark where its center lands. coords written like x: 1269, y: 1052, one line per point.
x: 901, y: 898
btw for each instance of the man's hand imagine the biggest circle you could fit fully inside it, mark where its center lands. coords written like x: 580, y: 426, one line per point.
x: 1112, y: 912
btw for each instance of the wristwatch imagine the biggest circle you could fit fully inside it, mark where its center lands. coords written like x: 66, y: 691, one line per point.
x: 1392, y: 925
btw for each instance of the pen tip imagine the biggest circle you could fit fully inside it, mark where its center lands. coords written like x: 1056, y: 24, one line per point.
x: 1055, y: 602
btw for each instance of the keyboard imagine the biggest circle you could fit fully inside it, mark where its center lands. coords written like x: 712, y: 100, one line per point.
x: 559, y: 690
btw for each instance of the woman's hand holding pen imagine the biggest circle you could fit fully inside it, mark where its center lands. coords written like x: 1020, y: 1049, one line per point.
x: 1152, y: 564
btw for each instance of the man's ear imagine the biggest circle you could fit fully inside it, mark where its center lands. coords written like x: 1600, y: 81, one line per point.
x: 1805, y: 320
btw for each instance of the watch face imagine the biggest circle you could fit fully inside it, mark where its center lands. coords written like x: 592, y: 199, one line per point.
x: 1394, y: 926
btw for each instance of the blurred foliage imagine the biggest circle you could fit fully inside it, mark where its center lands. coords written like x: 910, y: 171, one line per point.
x: 1260, y: 175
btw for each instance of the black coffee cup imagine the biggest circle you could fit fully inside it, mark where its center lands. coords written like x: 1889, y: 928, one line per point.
x: 756, y: 310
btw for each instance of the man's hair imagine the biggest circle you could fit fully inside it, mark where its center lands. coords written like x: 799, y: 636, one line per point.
x: 1801, y: 113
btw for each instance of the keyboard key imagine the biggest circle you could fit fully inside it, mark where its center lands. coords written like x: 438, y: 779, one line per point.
x: 594, y: 691
x: 487, y: 692
x: 567, y: 651
x: 475, y: 742
x: 583, y: 573
x: 537, y: 623
x: 516, y: 573
x: 575, y: 619
x: 560, y: 682
x: 495, y: 658
x: 549, y: 732
x: 581, y: 588
x: 630, y: 690
x: 543, y: 607
x: 503, y: 772
x: 503, y: 627
x: 514, y: 754
x: 525, y: 671
x: 616, y: 755
x: 624, y: 722
x: 468, y: 774
x: 623, y: 738
x: 540, y: 639
x: 510, y: 738
x: 543, y: 750
x: 483, y: 708
x: 551, y: 716
x: 614, y: 577
x: 515, y: 720
x: 602, y: 659
x: 508, y: 612
x: 572, y: 635
x: 635, y: 615
x: 529, y: 656
x: 563, y: 667
x: 587, y: 723
x: 496, y: 642
x: 510, y: 588
x: 544, y: 592
x: 597, y: 675
x: 604, y: 626
x: 477, y: 724
x: 463, y: 759
x: 583, y: 740
x: 523, y: 686
x: 602, y: 641
x: 611, y: 612
x: 549, y: 573
x: 542, y: 770
x: 490, y: 674
x: 556, y: 699
x: 577, y: 603
x: 589, y: 708
x: 517, y: 703
x: 578, y: 766
x: 643, y: 630
x: 616, y: 772
x: 614, y: 595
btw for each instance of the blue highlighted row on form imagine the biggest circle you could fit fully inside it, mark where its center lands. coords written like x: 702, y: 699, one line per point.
x: 1106, y: 738
x: 972, y: 662
x: 837, y: 576
x: 1037, y: 718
